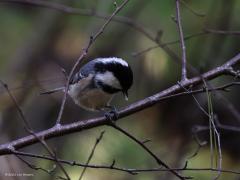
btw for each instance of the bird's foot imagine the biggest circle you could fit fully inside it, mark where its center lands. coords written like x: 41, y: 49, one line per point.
x: 112, y: 115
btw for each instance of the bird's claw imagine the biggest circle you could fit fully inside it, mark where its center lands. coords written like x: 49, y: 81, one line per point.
x: 112, y: 115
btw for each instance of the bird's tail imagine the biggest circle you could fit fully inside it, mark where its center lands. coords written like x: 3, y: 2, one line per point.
x: 52, y: 91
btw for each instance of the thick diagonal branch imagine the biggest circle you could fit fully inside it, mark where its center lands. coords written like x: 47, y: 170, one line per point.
x: 131, y: 109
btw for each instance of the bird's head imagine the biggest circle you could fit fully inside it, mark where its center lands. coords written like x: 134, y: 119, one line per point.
x: 114, y: 75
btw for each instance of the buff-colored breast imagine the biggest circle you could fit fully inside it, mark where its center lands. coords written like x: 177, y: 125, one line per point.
x: 92, y: 99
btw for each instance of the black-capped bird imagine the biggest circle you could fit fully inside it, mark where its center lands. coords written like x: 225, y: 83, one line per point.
x: 94, y: 86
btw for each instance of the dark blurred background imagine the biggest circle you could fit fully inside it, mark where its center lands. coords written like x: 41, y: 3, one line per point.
x: 36, y: 42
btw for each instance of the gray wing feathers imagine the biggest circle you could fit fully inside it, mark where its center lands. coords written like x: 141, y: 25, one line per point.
x: 84, y: 72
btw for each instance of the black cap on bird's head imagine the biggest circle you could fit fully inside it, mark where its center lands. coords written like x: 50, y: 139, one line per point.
x: 125, y: 77
x: 121, y: 72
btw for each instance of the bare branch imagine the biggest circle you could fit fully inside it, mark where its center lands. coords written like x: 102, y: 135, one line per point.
x: 92, y: 153
x: 205, y: 31
x: 168, y: 43
x: 200, y: 128
x: 159, y: 161
x: 135, y: 107
x: 199, y: 146
x: 127, y: 170
x: 25, y: 122
x: 182, y: 43
x: 29, y: 129
x: 192, y: 10
x: 32, y: 166
x: 214, y: 31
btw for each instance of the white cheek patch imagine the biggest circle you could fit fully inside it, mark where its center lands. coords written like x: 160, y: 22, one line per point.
x: 109, y: 79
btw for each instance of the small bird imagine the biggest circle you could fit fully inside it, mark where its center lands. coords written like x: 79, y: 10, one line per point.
x: 94, y: 86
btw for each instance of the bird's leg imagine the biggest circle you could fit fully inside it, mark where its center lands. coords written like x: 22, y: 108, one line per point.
x: 111, y: 115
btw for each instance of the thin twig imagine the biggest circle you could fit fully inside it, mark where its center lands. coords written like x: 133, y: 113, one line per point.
x: 195, y: 99
x: 192, y: 10
x: 215, y: 31
x: 29, y: 129
x: 212, y: 125
x: 206, y: 31
x: 92, y: 153
x: 215, y: 133
x: 127, y: 170
x: 32, y: 166
x: 135, y: 54
x: 221, y: 126
x: 182, y: 43
x: 209, y: 114
x: 159, y: 161
x: 199, y: 146
x: 25, y: 122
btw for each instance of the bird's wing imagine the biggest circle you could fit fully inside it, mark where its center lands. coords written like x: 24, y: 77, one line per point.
x: 83, y: 72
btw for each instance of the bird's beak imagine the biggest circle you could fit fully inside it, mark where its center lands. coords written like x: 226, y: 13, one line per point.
x: 125, y: 95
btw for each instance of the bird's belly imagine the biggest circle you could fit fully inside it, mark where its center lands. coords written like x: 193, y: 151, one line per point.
x: 91, y: 99
x: 94, y: 100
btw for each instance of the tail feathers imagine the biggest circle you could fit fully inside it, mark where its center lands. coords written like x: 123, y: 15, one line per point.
x: 52, y: 91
